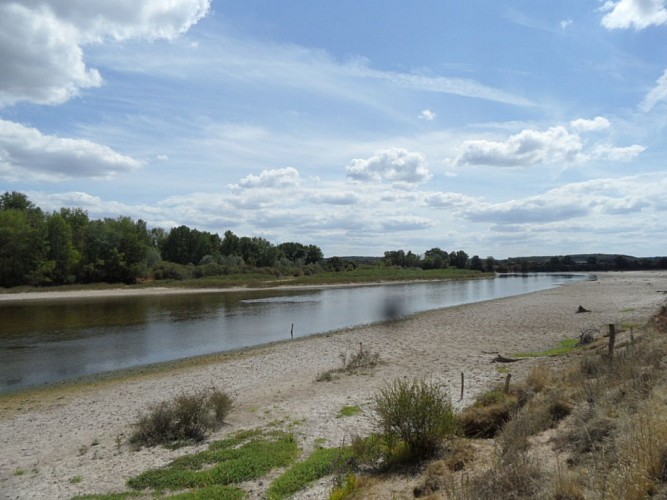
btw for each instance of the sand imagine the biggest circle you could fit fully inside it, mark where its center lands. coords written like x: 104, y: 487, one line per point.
x: 70, y: 440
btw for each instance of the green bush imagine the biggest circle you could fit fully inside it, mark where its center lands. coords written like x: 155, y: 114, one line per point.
x: 188, y: 417
x: 415, y: 413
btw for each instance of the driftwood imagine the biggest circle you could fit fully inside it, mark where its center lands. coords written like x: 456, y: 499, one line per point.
x: 503, y: 359
x: 582, y: 310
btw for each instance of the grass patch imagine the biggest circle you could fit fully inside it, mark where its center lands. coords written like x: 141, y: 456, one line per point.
x: 322, y: 462
x: 111, y: 496
x: 349, y: 411
x: 565, y: 347
x: 186, y: 418
x: 216, y: 492
x: 242, y: 457
x: 75, y: 479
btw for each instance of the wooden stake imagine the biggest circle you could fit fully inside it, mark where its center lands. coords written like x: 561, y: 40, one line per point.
x: 291, y: 332
x: 507, y: 383
x: 462, y: 385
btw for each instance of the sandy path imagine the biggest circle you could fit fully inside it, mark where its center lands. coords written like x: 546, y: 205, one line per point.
x: 64, y: 442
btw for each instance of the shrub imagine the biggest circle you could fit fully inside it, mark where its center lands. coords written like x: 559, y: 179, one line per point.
x: 188, y: 417
x: 417, y: 413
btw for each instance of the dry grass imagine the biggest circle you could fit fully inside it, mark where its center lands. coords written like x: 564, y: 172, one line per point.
x: 593, y: 429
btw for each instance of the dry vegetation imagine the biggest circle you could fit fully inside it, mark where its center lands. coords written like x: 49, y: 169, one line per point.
x: 593, y: 428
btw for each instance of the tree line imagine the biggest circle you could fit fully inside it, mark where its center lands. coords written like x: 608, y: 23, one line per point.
x: 66, y: 246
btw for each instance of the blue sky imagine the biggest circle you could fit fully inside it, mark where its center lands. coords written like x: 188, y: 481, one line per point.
x: 501, y: 128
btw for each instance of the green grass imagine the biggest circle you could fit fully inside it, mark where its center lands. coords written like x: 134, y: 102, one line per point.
x: 322, y: 462
x: 565, y: 347
x: 243, y: 457
x: 75, y: 479
x: 217, y: 492
x: 349, y: 411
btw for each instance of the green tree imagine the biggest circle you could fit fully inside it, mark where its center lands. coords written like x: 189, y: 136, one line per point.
x: 293, y: 251
x: 61, y: 250
x: 314, y: 254
x: 22, y: 241
x: 435, y: 258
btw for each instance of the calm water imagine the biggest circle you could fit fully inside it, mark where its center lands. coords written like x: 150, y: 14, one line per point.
x: 48, y: 341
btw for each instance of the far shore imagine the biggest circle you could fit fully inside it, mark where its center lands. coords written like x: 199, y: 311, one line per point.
x: 43, y: 431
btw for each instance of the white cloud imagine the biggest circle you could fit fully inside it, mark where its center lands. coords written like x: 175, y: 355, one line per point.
x: 527, y: 148
x: 276, y: 178
x: 394, y: 165
x: 657, y: 94
x: 554, y: 145
x: 615, y: 153
x: 594, y: 198
x: 427, y: 115
x: 584, y: 125
x: 41, y: 41
x: 449, y: 200
x: 566, y: 23
x: 637, y: 14
x: 26, y: 152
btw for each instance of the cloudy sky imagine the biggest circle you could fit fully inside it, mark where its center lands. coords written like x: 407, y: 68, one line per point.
x: 523, y: 127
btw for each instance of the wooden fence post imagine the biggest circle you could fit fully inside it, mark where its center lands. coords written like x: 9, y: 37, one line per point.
x: 462, y: 384
x: 507, y: 383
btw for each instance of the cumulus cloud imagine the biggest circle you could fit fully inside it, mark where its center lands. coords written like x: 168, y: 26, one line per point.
x: 42, y: 41
x: 393, y: 165
x: 406, y: 223
x: 584, y: 125
x: 277, y: 178
x: 554, y: 145
x: 448, y: 200
x: 528, y: 147
x: 566, y: 23
x: 427, y: 115
x: 637, y: 14
x: 657, y: 94
x: 25, y: 151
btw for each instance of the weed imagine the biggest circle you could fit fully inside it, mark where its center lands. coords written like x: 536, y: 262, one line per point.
x: 19, y: 472
x: 187, y: 418
x: 75, y: 479
x: 349, y: 411
x: 417, y: 413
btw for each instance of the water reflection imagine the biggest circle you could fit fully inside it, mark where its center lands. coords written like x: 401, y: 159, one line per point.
x: 46, y: 341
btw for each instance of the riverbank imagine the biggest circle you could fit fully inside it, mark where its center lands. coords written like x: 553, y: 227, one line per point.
x: 69, y: 440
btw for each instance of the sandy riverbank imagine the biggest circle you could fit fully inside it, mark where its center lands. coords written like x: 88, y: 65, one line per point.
x: 50, y: 437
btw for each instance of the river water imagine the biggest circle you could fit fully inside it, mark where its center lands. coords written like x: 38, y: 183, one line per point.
x: 54, y: 340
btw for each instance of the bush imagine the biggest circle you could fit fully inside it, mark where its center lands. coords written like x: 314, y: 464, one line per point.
x: 189, y: 417
x: 417, y: 413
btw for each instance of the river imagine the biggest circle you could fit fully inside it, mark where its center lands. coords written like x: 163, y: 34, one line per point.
x: 55, y: 340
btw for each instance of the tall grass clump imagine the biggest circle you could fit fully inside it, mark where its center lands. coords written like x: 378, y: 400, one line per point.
x: 415, y: 414
x: 186, y: 418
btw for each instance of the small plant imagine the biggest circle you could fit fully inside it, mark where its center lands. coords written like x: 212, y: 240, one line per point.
x: 349, y: 411
x: 19, y: 472
x: 322, y: 462
x: 363, y: 359
x: 415, y: 413
x: 75, y: 479
x: 187, y: 418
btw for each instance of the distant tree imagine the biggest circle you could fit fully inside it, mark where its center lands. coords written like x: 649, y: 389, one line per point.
x: 476, y: 263
x: 189, y: 246
x: 458, y: 259
x: 230, y: 244
x: 435, y: 258
x: 490, y: 264
x: 335, y: 264
x: 314, y: 254
x: 22, y: 241
x: 293, y: 251
x: 61, y: 250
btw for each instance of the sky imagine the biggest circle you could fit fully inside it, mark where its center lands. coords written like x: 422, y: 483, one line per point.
x: 514, y: 128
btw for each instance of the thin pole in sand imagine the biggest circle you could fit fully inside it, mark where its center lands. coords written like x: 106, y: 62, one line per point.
x: 507, y: 383
x: 291, y: 332
x: 462, y: 385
